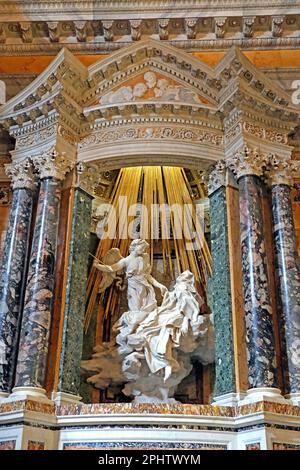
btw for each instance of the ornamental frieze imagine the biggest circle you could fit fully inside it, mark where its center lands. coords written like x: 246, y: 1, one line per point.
x: 36, y: 137
x: 152, y: 133
x: 44, y: 135
x: 271, y: 135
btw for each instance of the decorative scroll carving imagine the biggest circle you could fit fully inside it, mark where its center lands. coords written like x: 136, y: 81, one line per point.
x: 271, y: 135
x: 280, y: 170
x: 26, y: 31
x: 88, y: 176
x: 108, y: 30
x: 53, y: 31
x: 215, y: 177
x: 220, y: 27
x: 80, y: 29
x: 152, y: 133
x: 191, y: 27
x: 248, y: 22
x: 277, y: 25
x: 34, y: 138
x: 2, y: 34
x: 247, y: 162
x: 136, y: 30
x: 52, y: 165
x: 163, y: 28
x: 21, y: 174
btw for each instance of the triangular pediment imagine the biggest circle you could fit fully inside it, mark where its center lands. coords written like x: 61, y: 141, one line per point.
x: 152, y: 85
x: 146, y: 72
x: 150, y: 71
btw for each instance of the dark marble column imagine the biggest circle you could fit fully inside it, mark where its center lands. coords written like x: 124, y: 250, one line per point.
x: 36, y: 321
x: 248, y: 166
x: 219, y: 285
x: 287, y: 273
x: 13, y: 269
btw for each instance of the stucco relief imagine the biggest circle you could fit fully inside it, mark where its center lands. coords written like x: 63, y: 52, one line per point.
x: 151, y: 86
x: 152, y: 133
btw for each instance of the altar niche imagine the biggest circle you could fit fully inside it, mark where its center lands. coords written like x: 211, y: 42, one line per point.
x: 168, y: 207
x: 151, y: 104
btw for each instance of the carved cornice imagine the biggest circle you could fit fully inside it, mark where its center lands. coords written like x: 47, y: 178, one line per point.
x: 247, y: 162
x: 21, y: 174
x: 215, y: 177
x: 281, y: 170
x: 63, y: 102
x: 52, y: 165
x: 98, y: 25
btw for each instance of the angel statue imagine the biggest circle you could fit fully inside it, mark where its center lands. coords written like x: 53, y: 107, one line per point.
x: 154, y: 346
x: 140, y: 290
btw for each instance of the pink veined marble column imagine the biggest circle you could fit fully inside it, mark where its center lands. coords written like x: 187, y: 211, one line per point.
x: 14, y: 267
x: 37, y: 314
x: 262, y: 375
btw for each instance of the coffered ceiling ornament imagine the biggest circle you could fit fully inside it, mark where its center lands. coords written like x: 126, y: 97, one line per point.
x: 153, y: 91
x: 21, y: 174
x: 51, y: 164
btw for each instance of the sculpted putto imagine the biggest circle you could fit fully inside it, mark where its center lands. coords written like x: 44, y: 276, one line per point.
x: 154, y: 346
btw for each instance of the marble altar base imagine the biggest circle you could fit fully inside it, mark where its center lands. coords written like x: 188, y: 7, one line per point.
x: 36, y: 425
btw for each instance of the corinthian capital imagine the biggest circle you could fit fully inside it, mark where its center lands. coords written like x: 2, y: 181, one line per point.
x: 247, y: 162
x: 21, y: 174
x: 215, y: 177
x: 280, y: 170
x: 52, y: 165
x: 87, y: 176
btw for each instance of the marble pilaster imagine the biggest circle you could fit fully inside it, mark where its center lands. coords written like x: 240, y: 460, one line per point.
x: 248, y: 166
x: 287, y: 271
x: 37, y: 313
x: 219, y: 287
x: 13, y: 268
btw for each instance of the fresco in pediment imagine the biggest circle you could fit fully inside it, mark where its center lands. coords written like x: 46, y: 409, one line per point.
x: 152, y: 86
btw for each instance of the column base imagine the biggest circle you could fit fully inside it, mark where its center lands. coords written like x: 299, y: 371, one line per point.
x: 3, y: 396
x: 229, y: 399
x: 264, y: 394
x: 29, y: 393
x: 294, y: 398
x: 64, y: 398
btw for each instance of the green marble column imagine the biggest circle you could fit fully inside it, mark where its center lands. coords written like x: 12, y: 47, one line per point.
x: 72, y: 336
x: 219, y: 286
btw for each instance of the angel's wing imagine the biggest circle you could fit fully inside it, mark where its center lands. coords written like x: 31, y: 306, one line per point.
x: 111, y: 257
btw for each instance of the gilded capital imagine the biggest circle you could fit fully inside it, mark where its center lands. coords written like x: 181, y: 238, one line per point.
x: 247, y: 162
x: 21, y: 174
x: 87, y: 176
x: 52, y: 165
x: 280, y: 170
x: 215, y: 177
